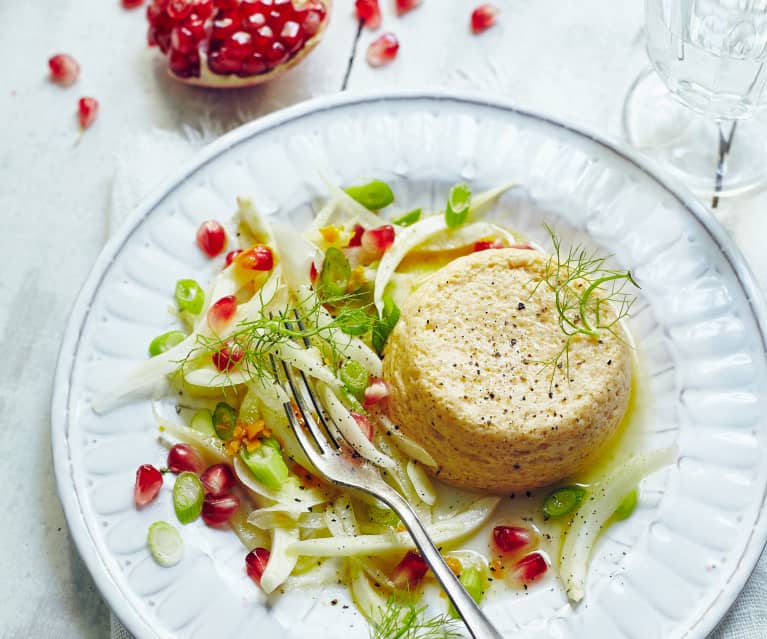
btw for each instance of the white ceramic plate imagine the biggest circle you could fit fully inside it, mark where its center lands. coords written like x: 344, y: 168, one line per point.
x: 670, y: 571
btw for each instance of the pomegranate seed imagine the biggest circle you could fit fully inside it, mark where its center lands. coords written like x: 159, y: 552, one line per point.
x: 366, y: 426
x: 407, y: 574
x: 513, y: 539
x: 257, y: 258
x: 525, y: 247
x: 178, y: 9
x: 183, y: 40
x: 253, y: 65
x: 483, y: 17
x: 64, y: 69
x: 356, y: 238
x: 184, y: 65
x: 375, y: 392
x: 230, y: 257
x: 311, y: 22
x: 291, y: 36
x: 148, y: 484
x: 217, y: 509
x: 87, y: 110
x: 182, y: 457
x: 255, y: 563
x: 378, y: 240
x: 403, y: 6
x: 313, y: 273
x: 218, y: 480
x: 254, y: 22
x: 382, y: 50
x: 132, y: 4
x: 277, y: 53
x: 211, y: 238
x: 221, y: 313
x: 369, y: 13
x: 223, y: 28
x: 484, y: 245
x: 530, y: 568
x: 228, y: 357
x: 203, y: 8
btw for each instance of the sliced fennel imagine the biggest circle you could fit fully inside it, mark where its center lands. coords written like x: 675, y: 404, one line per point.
x: 165, y: 544
x: 281, y: 563
x: 350, y: 430
x: 588, y: 520
x: 446, y: 531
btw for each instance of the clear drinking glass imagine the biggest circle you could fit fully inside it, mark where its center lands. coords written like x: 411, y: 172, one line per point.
x: 694, y: 110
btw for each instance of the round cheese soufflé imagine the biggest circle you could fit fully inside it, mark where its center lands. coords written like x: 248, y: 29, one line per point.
x: 466, y: 378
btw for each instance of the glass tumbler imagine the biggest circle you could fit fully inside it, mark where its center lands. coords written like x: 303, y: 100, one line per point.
x: 694, y: 110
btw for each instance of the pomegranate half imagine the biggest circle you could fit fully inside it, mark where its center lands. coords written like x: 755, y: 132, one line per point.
x: 234, y: 43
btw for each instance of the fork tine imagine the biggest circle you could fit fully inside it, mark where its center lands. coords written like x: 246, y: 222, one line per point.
x: 318, y: 408
x: 300, y: 432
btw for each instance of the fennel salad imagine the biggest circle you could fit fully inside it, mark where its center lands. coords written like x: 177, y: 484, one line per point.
x: 233, y: 460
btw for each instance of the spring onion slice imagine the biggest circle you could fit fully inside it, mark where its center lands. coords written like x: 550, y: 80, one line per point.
x: 443, y: 532
x: 589, y: 519
x: 165, y: 544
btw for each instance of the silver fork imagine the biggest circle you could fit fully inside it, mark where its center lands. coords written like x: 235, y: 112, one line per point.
x: 323, y: 451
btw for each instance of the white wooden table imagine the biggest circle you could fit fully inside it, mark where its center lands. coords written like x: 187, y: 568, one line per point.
x: 571, y: 59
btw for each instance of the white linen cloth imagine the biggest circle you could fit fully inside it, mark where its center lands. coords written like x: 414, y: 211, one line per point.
x: 145, y: 161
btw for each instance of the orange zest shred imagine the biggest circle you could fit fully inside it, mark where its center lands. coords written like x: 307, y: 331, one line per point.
x: 336, y: 236
x: 356, y: 280
x: 248, y: 434
x: 454, y: 565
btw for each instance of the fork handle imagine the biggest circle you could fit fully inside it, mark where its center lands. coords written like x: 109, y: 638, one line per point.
x: 477, y: 623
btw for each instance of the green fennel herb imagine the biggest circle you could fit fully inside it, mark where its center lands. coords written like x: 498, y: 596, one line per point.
x: 404, y: 619
x: 585, y: 291
x: 260, y: 336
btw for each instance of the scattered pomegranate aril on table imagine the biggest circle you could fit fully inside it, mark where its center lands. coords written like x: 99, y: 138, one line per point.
x: 64, y: 69
x: 403, y: 6
x: 255, y: 563
x: 221, y: 313
x: 513, y: 539
x: 407, y: 574
x: 148, y: 484
x: 132, y: 4
x: 218, y: 480
x: 211, y: 238
x: 369, y: 13
x: 87, y: 110
x: 382, y: 50
x: 217, y: 509
x: 234, y: 43
x: 228, y: 357
x: 182, y: 457
x: 529, y: 569
x: 483, y: 17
